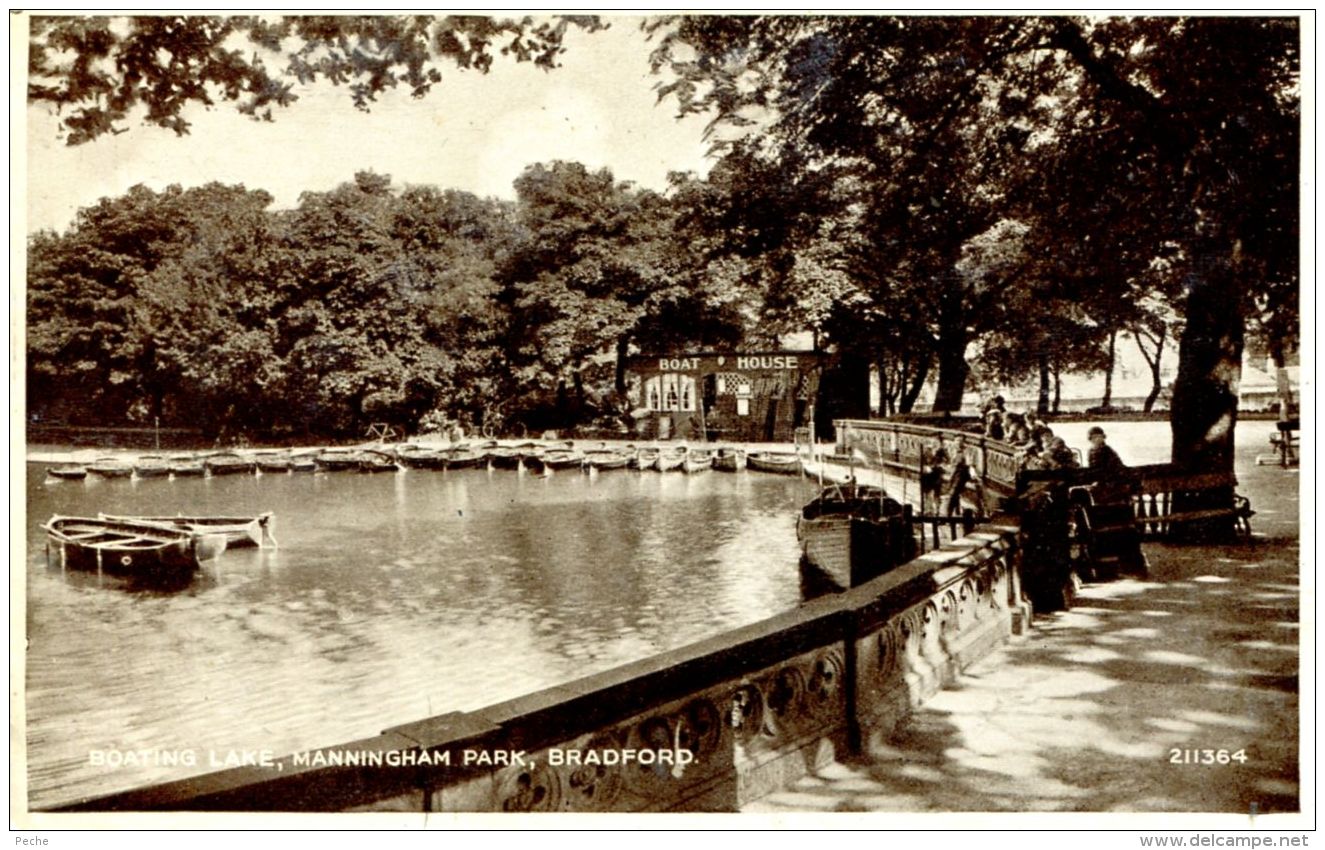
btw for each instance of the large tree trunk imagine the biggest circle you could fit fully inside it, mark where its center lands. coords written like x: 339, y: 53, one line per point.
x: 887, y: 390
x: 1042, y: 403
x: 1281, y: 382
x: 1205, y: 395
x: 1156, y: 383
x: 1107, y: 402
x: 622, y: 351
x: 912, y: 390
x: 1155, y: 387
x: 952, y: 360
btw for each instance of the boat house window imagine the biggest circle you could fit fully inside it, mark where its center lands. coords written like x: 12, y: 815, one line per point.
x: 671, y: 391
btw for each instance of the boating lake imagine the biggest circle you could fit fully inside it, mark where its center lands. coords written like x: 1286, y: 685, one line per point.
x: 393, y: 597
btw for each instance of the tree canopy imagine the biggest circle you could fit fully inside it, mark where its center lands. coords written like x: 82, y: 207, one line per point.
x: 98, y: 70
x: 1116, y: 141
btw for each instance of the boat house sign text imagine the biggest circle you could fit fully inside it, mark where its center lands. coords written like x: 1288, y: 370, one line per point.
x: 740, y: 362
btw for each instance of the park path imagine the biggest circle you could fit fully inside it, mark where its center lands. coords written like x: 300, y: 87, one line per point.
x: 1084, y: 713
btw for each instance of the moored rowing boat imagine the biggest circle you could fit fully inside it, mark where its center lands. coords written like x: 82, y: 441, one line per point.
x: 670, y: 459
x: 238, y: 531
x: 229, y: 463
x: 110, y: 467
x: 418, y: 457
x: 372, y: 460
x: 466, y: 458
x: 779, y: 462
x: 605, y: 459
x: 697, y: 460
x: 729, y: 460
x: 646, y: 457
x: 151, y: 466
x: 186, y: 465
x: 337, y: 460
x: 131, y: 549
x: 563, y: 459
x: 272, y: 462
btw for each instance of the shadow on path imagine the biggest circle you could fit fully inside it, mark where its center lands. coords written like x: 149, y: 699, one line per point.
x: 1093, y: 709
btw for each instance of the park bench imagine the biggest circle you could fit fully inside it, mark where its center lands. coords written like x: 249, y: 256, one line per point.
x: 1284, y: 442
x: 1111, y: 518
x: 1165, y: 499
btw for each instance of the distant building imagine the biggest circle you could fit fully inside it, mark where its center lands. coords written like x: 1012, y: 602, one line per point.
x: 761, y: 396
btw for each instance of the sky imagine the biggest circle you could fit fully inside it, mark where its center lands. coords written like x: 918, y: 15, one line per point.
x: 473, y: 132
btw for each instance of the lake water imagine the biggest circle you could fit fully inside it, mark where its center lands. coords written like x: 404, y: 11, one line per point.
x: 396, y: 597
x: 389, y: 599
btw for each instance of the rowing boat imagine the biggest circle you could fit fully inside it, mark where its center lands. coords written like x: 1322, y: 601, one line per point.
x: 417, y: 457
x: 729, y: 460
x: 305, y: 462
x: 697, y: 460
x: 110, y: 467
x: 372, y: 460
x: 272, y: 462
x: 779, y: 462
x: 130, y: 549
x: 853, y: 533
x: 504, y: 457
x: 645, y: 458
x: 466, y: 458
x: 670, y: 459
x: 68, y: 473
x: 151, y: 466
x: 337, y: 460
x: 186, y: 465
x: 238, y: 531
x: 229, y: 463
x: 605, y: 459
x: 563, y: 459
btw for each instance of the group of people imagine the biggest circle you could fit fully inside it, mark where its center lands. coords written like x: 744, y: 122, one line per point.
x: 1035, y: 441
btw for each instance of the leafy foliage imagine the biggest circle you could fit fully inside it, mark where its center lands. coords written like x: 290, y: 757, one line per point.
x: 101, y: 69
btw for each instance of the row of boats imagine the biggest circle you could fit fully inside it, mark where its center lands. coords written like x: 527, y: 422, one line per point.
x: 150, y: 548
x: 535, y: 458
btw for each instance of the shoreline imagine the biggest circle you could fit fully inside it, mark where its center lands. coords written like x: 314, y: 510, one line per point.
x: 52, y: 453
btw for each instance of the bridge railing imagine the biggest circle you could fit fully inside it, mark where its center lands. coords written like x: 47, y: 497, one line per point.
x: 904, y: 449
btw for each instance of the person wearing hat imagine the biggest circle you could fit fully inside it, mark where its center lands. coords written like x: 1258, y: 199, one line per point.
x: 1112, y: 510
x: 1102, y: 456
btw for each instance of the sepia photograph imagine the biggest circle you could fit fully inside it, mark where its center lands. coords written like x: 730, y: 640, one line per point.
x: 834, y: 419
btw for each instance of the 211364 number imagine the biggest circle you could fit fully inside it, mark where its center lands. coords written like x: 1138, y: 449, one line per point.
x: 1181, y: 756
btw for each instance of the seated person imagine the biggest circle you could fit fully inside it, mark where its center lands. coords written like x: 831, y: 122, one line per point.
x: 1059, y: 456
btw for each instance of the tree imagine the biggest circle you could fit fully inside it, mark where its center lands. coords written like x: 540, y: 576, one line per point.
x: 128, y: 308
x: 581, y: 279
x: 100, y: 71
x: 1193, y: 122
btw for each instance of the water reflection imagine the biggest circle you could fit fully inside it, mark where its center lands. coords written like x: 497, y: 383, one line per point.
x: 390, y: 597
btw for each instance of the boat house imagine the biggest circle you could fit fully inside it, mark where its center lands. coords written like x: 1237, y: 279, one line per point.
x: 761, y: 396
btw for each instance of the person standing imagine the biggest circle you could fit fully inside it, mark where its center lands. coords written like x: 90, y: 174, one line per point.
x: 994, y: 418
